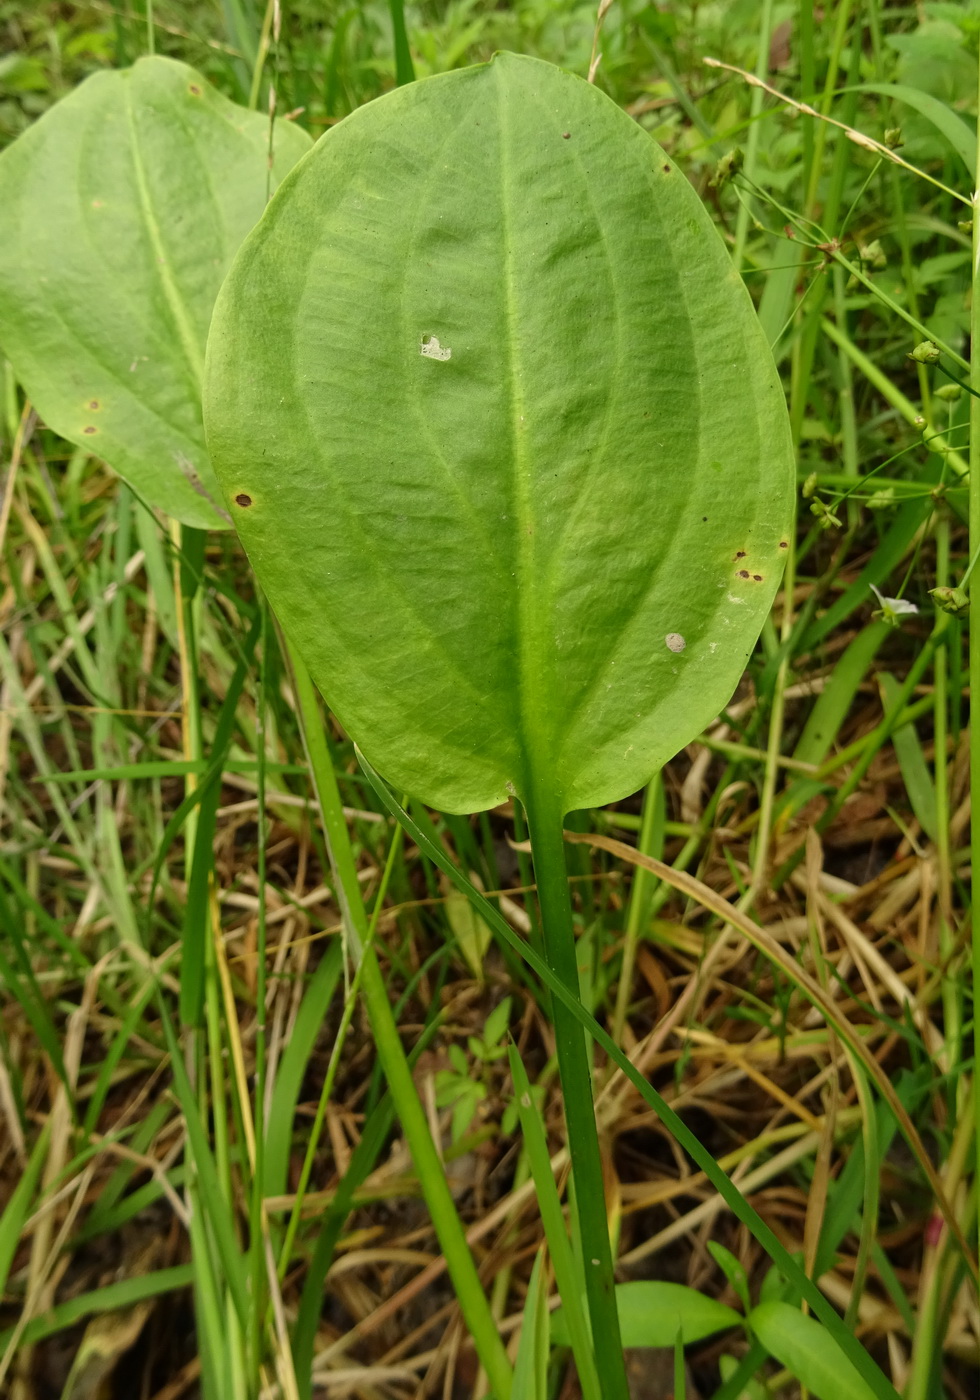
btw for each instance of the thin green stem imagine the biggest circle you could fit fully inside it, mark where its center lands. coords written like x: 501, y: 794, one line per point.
x: 975, y: 644
x: 641, y: 899
x: 774, y: 745
x: 211, y: 1088
x: 257, y: 1223
x: 261, y: 55
x: 951, y: 993
x: 285, y: 1253
x: 391, y: 1054
x: 752, y: 144
x: 544, y: 819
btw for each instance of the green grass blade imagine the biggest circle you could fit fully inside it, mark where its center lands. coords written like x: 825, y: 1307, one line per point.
x: 912, y: 761
x: 404, y: 67
x: 531, y: 1366
x: 17, y: 1208
x: 732, y: 1197
x: 108, y: 1299
x: 956, y: 131
x: 293, y: 1065
x: 212, y: 1199
x: 834, y: 702
x: 196, y: 915
x: 114, y: 1055
x: 571, y: 1286
x: 23, y: 986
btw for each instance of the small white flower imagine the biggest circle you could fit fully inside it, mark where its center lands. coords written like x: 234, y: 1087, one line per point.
x: 892, y: 610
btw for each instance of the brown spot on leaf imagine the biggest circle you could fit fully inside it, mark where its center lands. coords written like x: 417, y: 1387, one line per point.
x: 666, y: 169
x: 194, y: 90
x: 757, y: 577
x: 94, y: 404
x: 743, y: 573
x: 242, y: 500
x: 565, y: 135
x: 90, y: 429
x: 740, y: 554
x: 784, y: 544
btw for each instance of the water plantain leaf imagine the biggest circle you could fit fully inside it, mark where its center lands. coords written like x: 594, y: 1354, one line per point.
x: 808, y: 1350
x: 500, y: 432
x: 652, y: 1314
x: 120, y: 212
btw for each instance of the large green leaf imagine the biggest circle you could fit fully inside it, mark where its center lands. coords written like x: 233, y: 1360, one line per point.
x: 502, y: 437
x: 120, y: 213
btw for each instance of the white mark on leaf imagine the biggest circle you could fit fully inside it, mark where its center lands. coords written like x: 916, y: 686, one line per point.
x: 732, y: 598
x: 432, y: 350
x: 675, y: 641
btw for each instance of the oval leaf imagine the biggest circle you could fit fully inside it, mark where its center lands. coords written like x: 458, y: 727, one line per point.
x: 502, y: 437
x: 809, y: 1352
x: 652, y: 1314
x: 122, y: 209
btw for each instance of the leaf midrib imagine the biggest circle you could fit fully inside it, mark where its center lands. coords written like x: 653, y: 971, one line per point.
x: 175, y: 301
x: 534, y: 746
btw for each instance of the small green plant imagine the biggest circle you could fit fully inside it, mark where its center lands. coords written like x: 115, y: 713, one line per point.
x: 463, y: 1088
x: 505, y: 444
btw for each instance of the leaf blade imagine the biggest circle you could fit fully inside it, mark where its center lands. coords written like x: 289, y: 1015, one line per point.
x: 808, y: 1350
x: 653, y: 1313
x: 484, y: 386
x: 122, y: 208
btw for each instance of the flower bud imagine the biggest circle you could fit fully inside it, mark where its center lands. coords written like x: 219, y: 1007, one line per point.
x: 951, y: 600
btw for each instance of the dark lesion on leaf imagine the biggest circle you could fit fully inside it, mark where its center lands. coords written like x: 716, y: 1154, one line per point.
x: 243, y: 500
x: 194, y: 90
x: 94, y: 405
x: 743, y: 573
x: 740, y: 554
x: 90, y: 429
